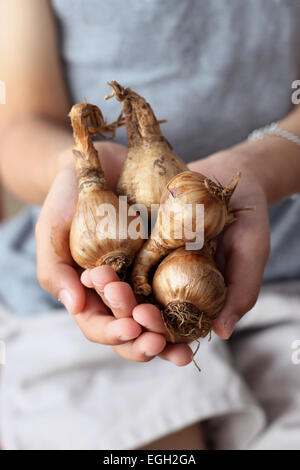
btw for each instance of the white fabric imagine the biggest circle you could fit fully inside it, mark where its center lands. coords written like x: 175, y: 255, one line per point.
x: 58, y: 391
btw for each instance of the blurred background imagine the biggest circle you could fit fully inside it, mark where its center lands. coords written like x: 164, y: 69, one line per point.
x: 9, y: 205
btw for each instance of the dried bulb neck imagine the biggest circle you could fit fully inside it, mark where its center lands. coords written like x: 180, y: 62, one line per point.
x: 220, y: 192
x: 141, y: 123
x: 87, y: 120
x: 184, y: 320
x: 133, y: 134
x: 124, y: 95
x: 89, y: 173
x: 119, y: 262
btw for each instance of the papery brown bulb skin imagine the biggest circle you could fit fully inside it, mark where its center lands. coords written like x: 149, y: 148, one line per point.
x: 147, y: 169
x: 99, y: 234
x: 176, y: 221
x: 92, y: 245
x: 191, y: 290
x: 191, y: 188
x: 150, y: 161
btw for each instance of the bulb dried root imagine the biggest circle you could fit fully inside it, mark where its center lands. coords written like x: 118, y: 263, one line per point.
x: 190, y: 292
x: 194, y: 354
x: 119, y: 262
x: 184, y: 322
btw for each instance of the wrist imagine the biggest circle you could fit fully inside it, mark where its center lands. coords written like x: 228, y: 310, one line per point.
x: 275, y: 163
x: 246, y: 158
x: 224, y: 164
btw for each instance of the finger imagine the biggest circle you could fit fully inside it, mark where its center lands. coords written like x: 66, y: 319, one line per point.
x: 55, y: 270
x: 101, y: 276
x: 99, y: 326
x: 120, y: 298
x: 149, y: 317
x: 178, y: 354
x: 245, y: 263
x: 242, y: 293
x: 86, y: 279
x: 117, y: 295
x: 143, y: 349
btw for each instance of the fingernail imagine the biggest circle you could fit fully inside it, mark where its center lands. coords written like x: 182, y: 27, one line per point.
x: 149, y: 354
x: 85, y: 278
x: 65, y: 298
x: 99, y: 287
x: 113, y: 303
x: 126, y: 338
x: 230, y: 324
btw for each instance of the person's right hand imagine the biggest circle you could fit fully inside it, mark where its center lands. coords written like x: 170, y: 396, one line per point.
x: 104, y: 311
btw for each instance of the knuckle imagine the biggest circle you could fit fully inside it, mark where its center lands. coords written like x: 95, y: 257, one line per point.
x: 95, y: 336
x: 46, y: 280
x: 141, y: 358
x: 89, y: 336
x: 132, y: 356
x: 251, y: 302
x: 43, y: 279
x: 246, y: 304
x: 146, y: 359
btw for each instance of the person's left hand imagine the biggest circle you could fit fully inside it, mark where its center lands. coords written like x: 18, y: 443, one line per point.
x: 243, y: 248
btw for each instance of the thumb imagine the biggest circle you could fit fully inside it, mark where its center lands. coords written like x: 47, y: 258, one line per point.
x: 55, y: 271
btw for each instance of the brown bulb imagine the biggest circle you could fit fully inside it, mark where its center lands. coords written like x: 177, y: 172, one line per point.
x: 176, y: 221
x: 97, y: 236
x: 191, y: 291
x: 150, y: 161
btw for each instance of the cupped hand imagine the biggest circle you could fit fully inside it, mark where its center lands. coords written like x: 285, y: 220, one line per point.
x: 104, y: 308
x: 119, y: 298
x: 242, y: 254
x: 244, y: 246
